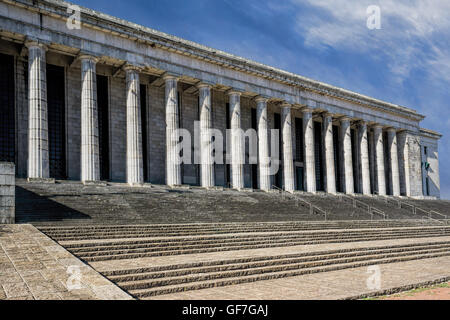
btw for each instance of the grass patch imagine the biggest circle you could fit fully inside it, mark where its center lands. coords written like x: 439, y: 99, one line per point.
x: 411, y: 292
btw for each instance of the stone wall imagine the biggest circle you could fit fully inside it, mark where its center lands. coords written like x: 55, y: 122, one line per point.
x: 7, y: 193
x: 118, y: 129
x: 157, y: 134
x: 415, y: 165
x: 73, y: 116
x: 432, y: 157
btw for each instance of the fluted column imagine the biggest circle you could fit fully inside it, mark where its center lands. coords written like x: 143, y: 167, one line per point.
x: 364, y: 158
x: 288, y: 157
x: 263, y: 144
x: 330, y: 169
x: 308, y: 154
x: 90, y: 158
x: 379, y: 154
x: 346, y: 142
x: 135, y: 169
x: 38, y: 158
x: 173, y: 163
x: 206, y: 146
x: 237, y: 147
x: 393, y: 150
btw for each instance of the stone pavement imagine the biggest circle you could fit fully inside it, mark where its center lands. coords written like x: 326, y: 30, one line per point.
x: 334, y: 285
x: 34, y: 267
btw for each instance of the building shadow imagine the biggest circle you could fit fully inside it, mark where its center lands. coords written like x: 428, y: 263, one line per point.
x: 32, y: 207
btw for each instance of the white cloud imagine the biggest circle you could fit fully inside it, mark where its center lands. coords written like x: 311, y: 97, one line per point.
x: 414, y: 33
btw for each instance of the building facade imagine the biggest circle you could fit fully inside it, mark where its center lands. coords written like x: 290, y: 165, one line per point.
x: 99, y: 103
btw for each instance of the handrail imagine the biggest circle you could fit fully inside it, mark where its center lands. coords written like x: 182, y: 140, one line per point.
x: 312, y: 208
x: 355, y: 203
x: 438, y: 213
x: 436, y: 220
x: 378, y: 211
x: 415, y: 209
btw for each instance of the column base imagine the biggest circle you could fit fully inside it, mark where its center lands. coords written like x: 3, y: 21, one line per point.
x: 180, y: 186
x: 95, y: 183
x: 41, y: 180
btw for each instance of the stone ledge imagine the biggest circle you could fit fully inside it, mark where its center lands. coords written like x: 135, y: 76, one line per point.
x: 41, y: 180
x: 95, y: 183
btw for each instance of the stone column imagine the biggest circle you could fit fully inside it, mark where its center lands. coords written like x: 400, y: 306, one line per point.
x: 364, y: 158
x: 38, y: 158
x: 308, y: 151
x: 403, y: 155
x: 206, y: 146
x: 330, y: 170
x: 263, y: 144
x: 173, y: 163
x: 393, y: 150
x: 379, y: 154
x: 90, y: 158
x: 135, y: 169
x: 288, y: 157
x: 237, y: 147
x: 346, y: 143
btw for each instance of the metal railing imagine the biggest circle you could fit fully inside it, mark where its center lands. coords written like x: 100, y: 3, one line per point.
x: 359, y: 204
x: 300, y: 201
x: 414, y: 209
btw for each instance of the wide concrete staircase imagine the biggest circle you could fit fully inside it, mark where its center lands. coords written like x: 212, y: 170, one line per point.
x: 72, y: 203
x: 149, y: 282
x: 153, y: 260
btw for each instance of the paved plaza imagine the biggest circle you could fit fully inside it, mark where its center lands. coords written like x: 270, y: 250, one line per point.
x: 35, y: 267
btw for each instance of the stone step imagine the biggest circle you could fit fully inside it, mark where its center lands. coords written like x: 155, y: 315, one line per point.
x: 186, y: 241
x: 169, y: 251
x: 221, y: 279
x: 74, y: 234
x: 66, y: 203
x: 259, y: 262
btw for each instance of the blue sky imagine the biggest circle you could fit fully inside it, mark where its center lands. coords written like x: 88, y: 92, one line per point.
x: 406, y: 62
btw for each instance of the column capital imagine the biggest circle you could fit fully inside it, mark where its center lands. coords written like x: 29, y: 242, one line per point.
x: 31, y: 43
x: 202, y: 85
x: 327, y: 114
x: 391, y: 130
x: 170, y: 76
x: 286, y: 105
x: 262, y: 98
x: 88, y: 57
x: 232, y: 92
x: 131, y: 68
x: 345, y: 119
x: 377, y: 126
x: 307, y: 110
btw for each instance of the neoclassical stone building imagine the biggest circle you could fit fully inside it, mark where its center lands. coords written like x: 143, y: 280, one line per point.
x: 98, y: 103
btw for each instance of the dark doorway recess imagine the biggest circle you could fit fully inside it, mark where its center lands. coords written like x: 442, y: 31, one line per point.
x: 56, y: 107
x: 318, y: 156
x: 254, y: 166
x: 277, y: 126
x: 103, y: 126
x: 299, y: 152
x: 337, y: 158
x: 143, y: 92
x: 7, y: 119
x: 227, y: 166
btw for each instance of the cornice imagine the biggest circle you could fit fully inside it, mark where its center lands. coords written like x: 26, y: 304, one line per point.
x: 154, y: 38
